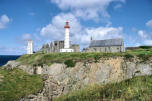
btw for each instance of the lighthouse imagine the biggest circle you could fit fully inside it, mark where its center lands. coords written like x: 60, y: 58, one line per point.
x: 66, y: 39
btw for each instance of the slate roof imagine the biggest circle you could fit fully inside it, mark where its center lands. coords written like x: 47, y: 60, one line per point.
x: 108, y: 42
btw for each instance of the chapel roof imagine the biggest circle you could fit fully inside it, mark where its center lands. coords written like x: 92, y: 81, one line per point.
x: 107, y: 42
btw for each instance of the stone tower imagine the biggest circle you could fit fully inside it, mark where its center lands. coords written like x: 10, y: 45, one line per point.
x: 66, y: 40
x: 30, y: 47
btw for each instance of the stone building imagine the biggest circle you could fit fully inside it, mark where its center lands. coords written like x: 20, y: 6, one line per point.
x: 76, y: 47
x: 56, y: 46
x: 109, y: 45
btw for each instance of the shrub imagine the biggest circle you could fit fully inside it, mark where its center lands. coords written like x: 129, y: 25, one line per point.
x: 96, y: 58
x: 49, y: 64
x: 69, y: 63
x: 128, y: 56
x: 145, y: 47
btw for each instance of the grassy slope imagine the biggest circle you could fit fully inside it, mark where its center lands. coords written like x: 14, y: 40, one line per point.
x: 40, y: 58
x: 17, y: 84
x: 135, y: 89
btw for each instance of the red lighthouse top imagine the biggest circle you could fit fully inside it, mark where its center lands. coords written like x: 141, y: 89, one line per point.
x: 67, y: 25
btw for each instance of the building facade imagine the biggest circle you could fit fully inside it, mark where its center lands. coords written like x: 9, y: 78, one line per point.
x: 109, y: 46
x: 75, y: 47
x: 54, y: 47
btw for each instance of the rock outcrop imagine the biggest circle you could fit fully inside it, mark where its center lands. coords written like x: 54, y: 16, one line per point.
x: 61, y: 80
x: 51, y: 89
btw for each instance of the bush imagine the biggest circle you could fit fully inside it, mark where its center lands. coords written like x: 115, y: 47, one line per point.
x: 49, y: 64
x: 96, y: 58
x: 128, y: 56
x: 145, y: 47
x: 69, y: 63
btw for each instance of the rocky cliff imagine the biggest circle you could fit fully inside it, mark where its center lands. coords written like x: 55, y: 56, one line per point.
x: 60, y: 80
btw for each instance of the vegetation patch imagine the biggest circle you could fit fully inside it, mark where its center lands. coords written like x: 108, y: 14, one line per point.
x: 49, y: 58
x: 145, y: 47
x: 128, y: 56
x: 144, y: 57
x: 96, y: 58
x: 135, y: 89
x: 69, y: 63
x: 17, y: 84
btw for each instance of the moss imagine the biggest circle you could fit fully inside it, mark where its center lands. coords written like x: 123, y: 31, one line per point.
x: 17, y: 84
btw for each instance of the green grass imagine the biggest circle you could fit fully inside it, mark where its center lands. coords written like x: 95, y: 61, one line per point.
x: 141, y: 51
x: 17, y: 84
x: 50, y: 58
x: 40, y: 58
x: 69, y: 63
x: 135, y: 89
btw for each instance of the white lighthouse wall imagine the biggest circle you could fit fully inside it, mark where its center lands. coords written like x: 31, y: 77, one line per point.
x: 67, y: 42
x: 30, y: 47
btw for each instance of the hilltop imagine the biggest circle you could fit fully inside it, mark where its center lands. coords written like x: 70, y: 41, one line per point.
x: 64, y: 73
x: 38, y: 59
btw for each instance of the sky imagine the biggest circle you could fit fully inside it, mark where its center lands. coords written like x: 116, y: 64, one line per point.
x: 43, y: 21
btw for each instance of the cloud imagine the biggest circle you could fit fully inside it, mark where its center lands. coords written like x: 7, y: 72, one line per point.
x: 142, y: 34
x: 4, y: 20
x: 149, y: 23
x: 26, y: 37
x: 148, y: 42
x: 78, y: 33
x: 55, y: 30
x: 102, y: 33
x: 87, y: 9
x: 22, y: 39
x: 145, y: 38
x: 118, y: 6
x: 134, y: 30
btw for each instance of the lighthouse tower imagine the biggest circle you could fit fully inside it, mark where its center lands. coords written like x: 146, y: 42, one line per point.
x: 66, y: 39
x: 30, y: 47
